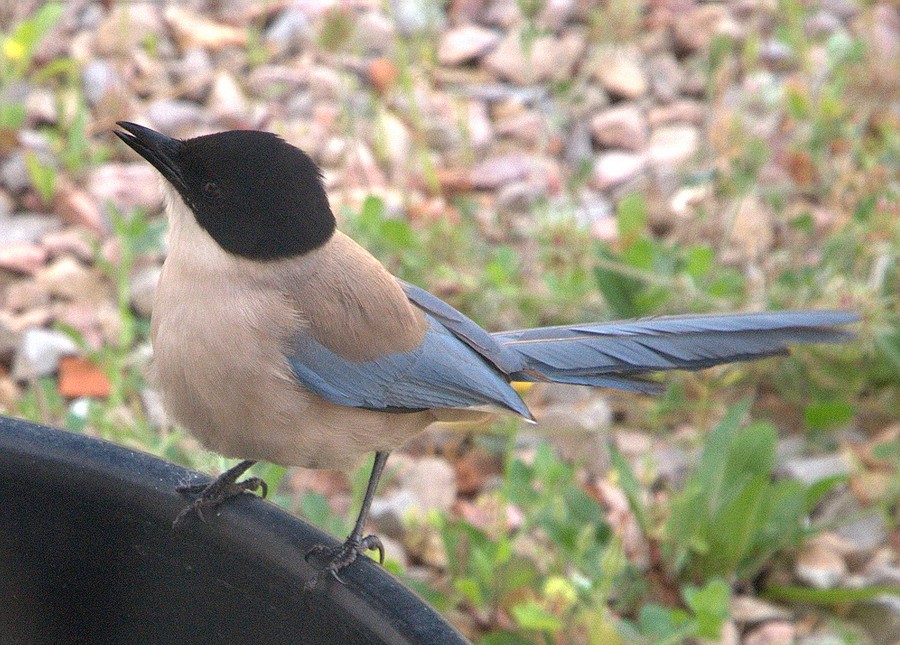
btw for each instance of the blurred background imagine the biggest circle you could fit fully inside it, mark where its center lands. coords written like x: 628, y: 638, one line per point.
x: 533, y: 162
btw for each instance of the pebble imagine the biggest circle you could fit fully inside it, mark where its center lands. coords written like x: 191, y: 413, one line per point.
x: 99, y: 80
x: 389, y: 512
x: 695, y: 29
x: 432, y: 481
x: 14, y: 173
x: 22, y: 257
x: 289, y: 32
x: 76, y: 206
x: 126, y: 186
x: 614, y: 168
x: 621, y: 126
x: 666, y: 77
x: 498, y: 171
x: 820, y: 567
x: 226, y: 100
x: 175, y: 117
x: 809, y: 470
x: 9, y: 341
x: 68, y: 279
x: 777, y: 632
x: 39, y: 353
x: 752, y: 234
x: 191, y: 29
x: 143, y: 289
x: 748, y: 610
x: 672, y: 145
x: 25, y: 228
x: 466, y: 43
x: 619, y: 72
x: 865, y: 533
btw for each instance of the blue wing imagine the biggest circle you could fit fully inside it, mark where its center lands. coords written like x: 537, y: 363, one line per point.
x: 442, y: 372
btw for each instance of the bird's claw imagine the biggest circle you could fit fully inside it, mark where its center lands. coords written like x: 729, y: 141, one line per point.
x: 340, y: 557
x: 212, y: 495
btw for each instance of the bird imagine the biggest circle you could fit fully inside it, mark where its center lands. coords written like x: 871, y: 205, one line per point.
x: 278, y: 338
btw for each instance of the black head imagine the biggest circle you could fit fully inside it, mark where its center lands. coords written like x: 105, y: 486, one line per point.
x: 257, y: 196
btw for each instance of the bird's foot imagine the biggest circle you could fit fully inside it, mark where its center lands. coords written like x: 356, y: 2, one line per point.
x: 340, y: 557
x: 212, y: 495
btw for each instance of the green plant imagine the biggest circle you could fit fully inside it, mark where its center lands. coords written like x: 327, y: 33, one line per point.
x: 17, y: 49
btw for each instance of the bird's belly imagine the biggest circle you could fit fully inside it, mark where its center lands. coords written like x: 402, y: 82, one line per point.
x: 231, y: 386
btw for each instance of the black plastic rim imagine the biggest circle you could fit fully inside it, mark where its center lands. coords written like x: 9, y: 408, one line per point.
x: 87, y: 554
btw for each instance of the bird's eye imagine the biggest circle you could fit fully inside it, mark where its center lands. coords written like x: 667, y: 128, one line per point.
x: 211, y: 190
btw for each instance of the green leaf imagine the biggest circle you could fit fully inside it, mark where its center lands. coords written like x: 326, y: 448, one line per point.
x: 630, y: 486
x: 700, y: 261
x: 532, y: 615
x: 503, y: 638
x: 710, y: 606
x: 631, y: 216
x: 825, y: 415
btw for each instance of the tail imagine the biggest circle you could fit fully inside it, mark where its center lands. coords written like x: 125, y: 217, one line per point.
x: 616, y: 354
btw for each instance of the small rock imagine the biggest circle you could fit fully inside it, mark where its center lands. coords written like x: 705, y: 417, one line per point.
x: 528, y: 126
x: 66, y: 278
x: 175, y: 117
x: 288, y: 32
x: 619, y: 72
x: 433, y: 483
x: 593, y: 210
x: 684, y: 111
x: 39, y: 353
x: 479, y: 130
x: 382, y: 73
x: 101, y: 80
x: 76, y: 206
x: 809, y: 470
x: 556, y: 13
x: 226, y: 99
x: 777, y: 56
x: 614, y: 168
x: 621, y: 126
x: 546, y: 58
x: 417, y: 16
x: 822, y: 23
x: 40, y: 107
x: 474, y: 469
x: 673, y: 464
x: 14, y: 173
x: 75, y: 241
x: 820, y: 567
x: 866, y: 533
x: 125, y: 27
x: 673, y: 145
x: 495, y: 172
x: 376, y: 33
x: 777, y: 632
x: 466, y: 43
x: 194, y: 71
x: 154, y: 410
x: 22, y: 257
x: 6, y: 205
x: 752, y: 235
x: 125, y: 186
x: 748, y: 610
x: 26, y: 294
x: 143, y: 289
x: 633, y: 444
x: 9, y: 341
x: 193, y: 30
x: 79, y: 377
x: 389, y: 512
x: 666, y: 77
x: 695, y: 29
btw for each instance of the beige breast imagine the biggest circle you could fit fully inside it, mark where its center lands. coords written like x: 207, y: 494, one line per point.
x: 220, y: 329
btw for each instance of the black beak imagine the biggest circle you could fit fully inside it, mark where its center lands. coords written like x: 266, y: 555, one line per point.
x: 158, y: 149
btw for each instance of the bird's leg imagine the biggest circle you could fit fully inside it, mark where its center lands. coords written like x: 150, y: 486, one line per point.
x: 224, y: 487
x: 338, y: 558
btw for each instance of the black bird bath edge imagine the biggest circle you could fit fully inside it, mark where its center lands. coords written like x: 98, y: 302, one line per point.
x: 88, y: 555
